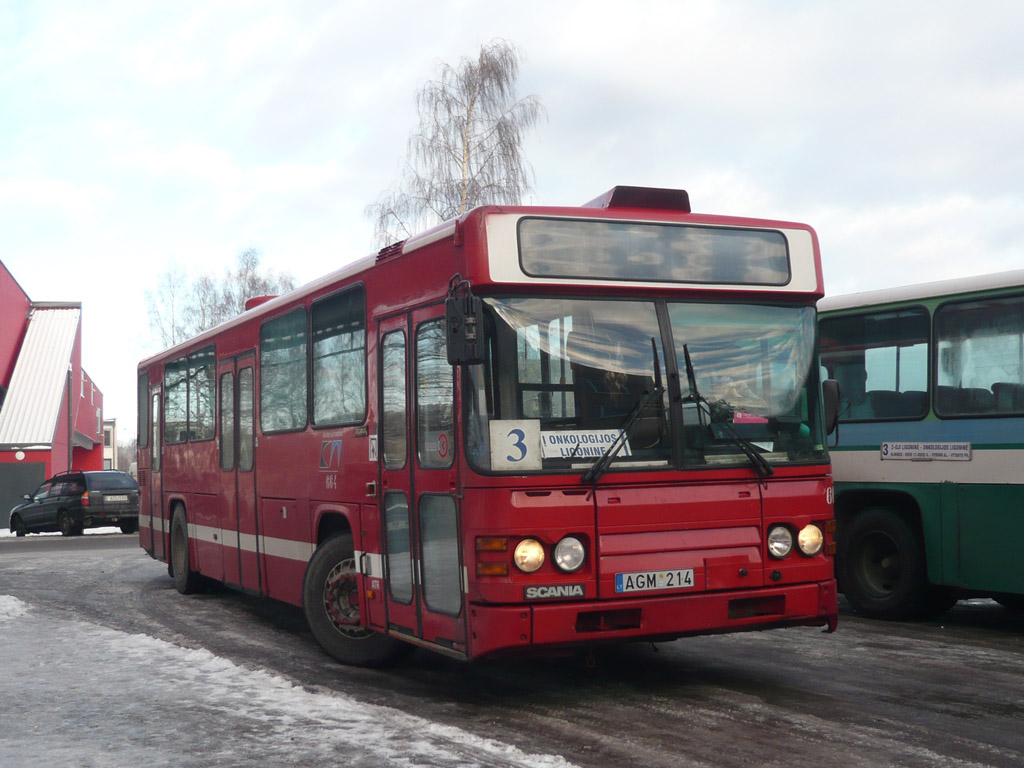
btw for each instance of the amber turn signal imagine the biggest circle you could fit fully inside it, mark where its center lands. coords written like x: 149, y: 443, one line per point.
x: 492, y: 569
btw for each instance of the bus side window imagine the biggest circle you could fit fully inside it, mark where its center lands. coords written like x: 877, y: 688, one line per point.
x: 980, y: 353
x: 283, y: 372
x: 435, y: 394
x: 442, y: 589
x: 227, y: 421
x: 394, y: 432
x: 399, y: 555
x: 880, y: 360
x: 339, y: 358
x: 246, y: 426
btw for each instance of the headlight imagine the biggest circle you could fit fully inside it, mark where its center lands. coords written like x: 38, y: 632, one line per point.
x: 569, y: 554
x: 810, y: 540
x: 529, y: 555
x: 780, y: 541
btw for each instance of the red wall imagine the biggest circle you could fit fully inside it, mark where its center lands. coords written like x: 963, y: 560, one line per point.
x: 14, y: 305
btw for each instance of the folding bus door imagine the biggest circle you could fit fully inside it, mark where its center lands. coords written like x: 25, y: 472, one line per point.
x: 396, y: 478
x: 418, y: 510
x: 154, y: 509
x: 237, y: 503
x: 435, y: 482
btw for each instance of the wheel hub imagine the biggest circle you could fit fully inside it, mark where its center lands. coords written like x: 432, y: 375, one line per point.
x: 341, y: 601
x: 880, y: 559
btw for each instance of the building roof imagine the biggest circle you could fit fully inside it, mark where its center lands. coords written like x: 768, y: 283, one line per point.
x: 33, y: 403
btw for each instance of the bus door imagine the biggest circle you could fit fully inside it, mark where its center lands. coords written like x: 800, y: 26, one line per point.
x: 238, y: 484
x: 419, y: 481
x: 153, y: 505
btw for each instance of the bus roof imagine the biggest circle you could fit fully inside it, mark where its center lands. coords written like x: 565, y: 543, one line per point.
x: 623, y: 203
x: 918, y: 291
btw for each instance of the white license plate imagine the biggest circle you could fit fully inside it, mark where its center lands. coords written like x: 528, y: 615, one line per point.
x: 115, y: 499
x: 644, y: 581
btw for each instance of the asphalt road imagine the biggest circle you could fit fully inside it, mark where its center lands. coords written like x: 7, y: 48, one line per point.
x: 941, y: 693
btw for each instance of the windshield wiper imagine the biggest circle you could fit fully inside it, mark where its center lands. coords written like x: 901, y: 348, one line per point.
x: 593, y: 474
x: 598, y: 468
x: 761, y: 465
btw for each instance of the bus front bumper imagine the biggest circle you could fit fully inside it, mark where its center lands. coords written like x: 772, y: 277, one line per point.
x: 549, y: 627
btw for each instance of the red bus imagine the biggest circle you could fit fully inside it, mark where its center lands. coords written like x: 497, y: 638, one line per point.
x: 527, y: 430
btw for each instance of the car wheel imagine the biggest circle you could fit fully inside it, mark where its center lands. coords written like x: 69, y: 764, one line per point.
x: 129, y: 526
x: 67, y: 526
x: 330, y: 600
x: 186, y: 580
x: 18, y: 526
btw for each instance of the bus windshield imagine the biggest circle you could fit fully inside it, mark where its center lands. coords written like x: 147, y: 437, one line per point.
x: 563, y: 377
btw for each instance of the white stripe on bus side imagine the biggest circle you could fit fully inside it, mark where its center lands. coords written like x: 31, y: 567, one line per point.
x: 300, y: 551
x: 269, y: 545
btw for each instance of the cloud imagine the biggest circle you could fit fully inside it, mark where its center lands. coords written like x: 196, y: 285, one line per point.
x: 136, y: 134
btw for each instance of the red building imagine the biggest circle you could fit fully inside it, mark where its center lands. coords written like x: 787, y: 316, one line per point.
x: 51, y: 413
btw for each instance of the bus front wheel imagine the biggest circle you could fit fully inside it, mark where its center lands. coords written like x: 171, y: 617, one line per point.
x: 330, y: 600
x: 882, y: 566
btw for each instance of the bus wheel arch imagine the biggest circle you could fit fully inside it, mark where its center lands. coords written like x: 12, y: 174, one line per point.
x: 179, y: 563
x: 330, y: 602
x: 331, y: 524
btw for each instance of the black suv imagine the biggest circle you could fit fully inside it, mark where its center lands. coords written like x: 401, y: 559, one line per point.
x: 72, y: 501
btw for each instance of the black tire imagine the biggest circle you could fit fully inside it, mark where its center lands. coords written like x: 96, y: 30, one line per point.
x: 881, y: 566
x: 1011, y: 602
x: 18, y: 526
x: 331, y: 605
x: 67, y: 526
x: 186, y: 580
x: 129, y: 526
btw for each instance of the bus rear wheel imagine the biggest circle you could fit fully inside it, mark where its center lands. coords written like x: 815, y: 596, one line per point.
x: 186, y: 580
x: 882, y: 566
x: 330, y: 600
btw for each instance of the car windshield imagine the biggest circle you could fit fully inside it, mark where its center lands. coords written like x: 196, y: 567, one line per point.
x: 111, y: 481
x: 563, y: 378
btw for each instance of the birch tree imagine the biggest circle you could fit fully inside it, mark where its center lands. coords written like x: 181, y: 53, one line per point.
x: 468, y: 147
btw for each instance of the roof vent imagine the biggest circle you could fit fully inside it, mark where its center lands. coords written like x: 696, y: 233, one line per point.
x: 643, y: 197
x: 255, y: 301
x: 390, y: 250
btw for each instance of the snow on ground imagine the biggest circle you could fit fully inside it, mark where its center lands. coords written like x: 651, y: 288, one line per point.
x: 78, y: 694
x: 4, y: 532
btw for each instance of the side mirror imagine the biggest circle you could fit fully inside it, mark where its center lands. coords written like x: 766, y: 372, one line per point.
x: 830, y: 393
x: 463, y: 328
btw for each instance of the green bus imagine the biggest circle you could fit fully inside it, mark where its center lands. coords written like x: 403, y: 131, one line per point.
x: 928, y: 457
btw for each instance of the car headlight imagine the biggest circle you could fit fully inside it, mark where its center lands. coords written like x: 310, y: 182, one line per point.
x: 529, y: 555
x: 570, y: 554
x: 810, y: 540
x: 780, y: 541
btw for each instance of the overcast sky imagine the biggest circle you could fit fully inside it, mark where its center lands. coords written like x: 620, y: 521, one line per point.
x: 137, y: 135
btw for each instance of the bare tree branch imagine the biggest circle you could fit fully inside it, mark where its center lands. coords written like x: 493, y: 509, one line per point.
x: 467, y: 149
x: 179, y: 310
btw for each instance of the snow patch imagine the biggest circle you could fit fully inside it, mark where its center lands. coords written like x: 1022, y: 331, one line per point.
x: 11, y: 608
x: 164, y: 705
